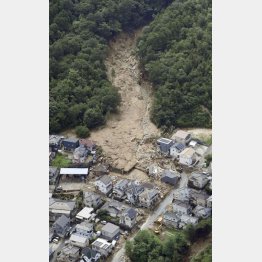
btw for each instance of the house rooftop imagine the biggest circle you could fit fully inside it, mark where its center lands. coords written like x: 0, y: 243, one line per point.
x: 164, y: 140
x: 114, y: 207
x: 170, y: 174
x: 189, y: 152
x: 172, y: 215
x: 109, y: 227
x: 70, y: 250
x: 87, y: 142
x: 74, y: 171
x: 78, y: 238
x: 85, y: 226
x: 71, y: 140
x: 178, y: 146
x: 105, y: 179
x: 62, y: 221
x: 85, y: 213
x: 131, y: 212
x: 54, y: 139
x: 61, y: 204
x: 101, y: 243
x: 121, y: 183
x: 89, y: 253
x: 181, y: 134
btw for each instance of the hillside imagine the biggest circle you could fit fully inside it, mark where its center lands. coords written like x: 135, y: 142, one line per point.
x: 80, y: 93
x: 175, y: 52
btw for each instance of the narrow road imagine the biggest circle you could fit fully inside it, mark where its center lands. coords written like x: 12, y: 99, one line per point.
x: 119, y: 256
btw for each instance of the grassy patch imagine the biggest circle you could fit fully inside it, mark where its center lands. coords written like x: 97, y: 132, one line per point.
x: 207, y: 139
x: 61, y: 161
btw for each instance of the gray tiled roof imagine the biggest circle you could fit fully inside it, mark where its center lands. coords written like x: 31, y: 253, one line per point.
x: 62, y: 221
x: 131, y: 212
x: 105, y: 179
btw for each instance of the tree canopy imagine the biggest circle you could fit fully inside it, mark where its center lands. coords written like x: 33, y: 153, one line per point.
x: 176, y: 51
x: 80, y: 93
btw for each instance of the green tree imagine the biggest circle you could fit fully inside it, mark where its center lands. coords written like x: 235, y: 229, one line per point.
x: 82, y: 131
x: 93, y: 117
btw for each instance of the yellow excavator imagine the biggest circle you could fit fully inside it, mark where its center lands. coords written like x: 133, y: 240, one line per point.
x: 159, y: 221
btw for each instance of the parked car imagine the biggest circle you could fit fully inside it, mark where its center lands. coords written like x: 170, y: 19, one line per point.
x: 103, y: 222
x: 56, y: 240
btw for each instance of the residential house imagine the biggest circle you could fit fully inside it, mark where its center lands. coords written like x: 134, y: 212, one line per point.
x: 148, y: 197
x: 170, y: 177
x: 80, y: 154
x: 61, y: 226
x: 70, y: 144
x: 78, y: 240
x: 55, y: 142
x: 128, y: 218
x: 120, y: 188
x: 209, y: 202
x: 197, y: 180
x: 114, y: 208
x: 202, y: 212
x: 133, y: 191
x: 182, y: 194
x: 85, y: 214
x: 110, y: 231
x: 180, y: 208
x: 83, y: 233
x: 165, y: 144
x: 102, y: 246
x: 171, y: 219
x: 187, y: 157
x: 198, y: 198
x: 176, y: 149
x: 88, y: 144
x: 186, y: 220
x: 92, y: 199
x: 182, y: 137
x: 89, y: 255
x: 69, y: 253
x: 101, y: 170
x: 104, y: 184
x: 53, y: 175
x: 61, y: 207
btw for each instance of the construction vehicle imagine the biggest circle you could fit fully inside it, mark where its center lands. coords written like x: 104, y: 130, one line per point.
x: 159, y: 222
x: 158, y: 229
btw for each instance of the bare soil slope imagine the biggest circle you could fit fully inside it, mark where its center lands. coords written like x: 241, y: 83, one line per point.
x: 122, y: 139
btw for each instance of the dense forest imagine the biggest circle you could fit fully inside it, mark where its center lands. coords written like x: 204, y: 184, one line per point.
x: 79, y: 31
x: 175, y: 51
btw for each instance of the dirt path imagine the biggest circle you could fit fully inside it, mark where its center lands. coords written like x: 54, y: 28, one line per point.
x: 121, y: 139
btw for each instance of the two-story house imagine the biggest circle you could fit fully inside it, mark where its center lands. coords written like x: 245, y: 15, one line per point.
x: 182, y: 137
x: 120, y: 188
x: 110, y: 231
x: 61, y: 207
x: 104, y: 184
x: 83, y: 233
x: 180, y: 208
x: 102, y: 246
x: 133, y: 191
x: 92, y: 199
x: 128, y: 218
x: 61, y: 226
x: 148, y: 197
